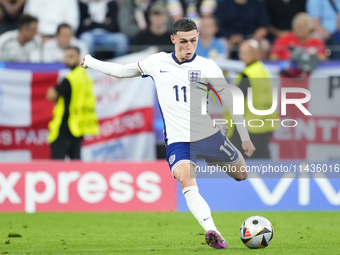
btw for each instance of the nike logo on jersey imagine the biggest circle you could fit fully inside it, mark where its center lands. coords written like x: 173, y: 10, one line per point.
x: 161, y: 71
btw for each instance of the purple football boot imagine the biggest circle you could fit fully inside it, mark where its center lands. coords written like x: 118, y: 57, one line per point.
x: 215, y: 240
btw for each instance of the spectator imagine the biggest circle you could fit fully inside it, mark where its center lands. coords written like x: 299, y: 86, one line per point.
x: 192, y: 9
x: 74, y: 114
x: 324, y: 14
x: 255, y: 76
x: 52, y: 13
x: 100, y: 27
x: 240, y: 20
x: 301, y: 36
x: 208, y: 45
x: 281, y: 14
x: 157, y: 33
x: 10, y: 11
x: 22, y: 45
x: 334, y: 43
x: 54, y: 49
x: 132, y: 16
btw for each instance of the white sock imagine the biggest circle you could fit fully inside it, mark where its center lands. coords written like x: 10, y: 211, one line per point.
x: 199, y: 208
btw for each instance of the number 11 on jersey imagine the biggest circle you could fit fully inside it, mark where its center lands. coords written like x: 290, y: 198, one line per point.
x: 184, y: 93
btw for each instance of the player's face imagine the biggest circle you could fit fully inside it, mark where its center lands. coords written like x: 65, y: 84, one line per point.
x: 71, y: 58
x: 185, y: 44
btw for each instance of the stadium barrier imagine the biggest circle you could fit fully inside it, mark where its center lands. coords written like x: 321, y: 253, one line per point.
x: 148, y: 186
x: 272, y: 186
x: 77, y: 186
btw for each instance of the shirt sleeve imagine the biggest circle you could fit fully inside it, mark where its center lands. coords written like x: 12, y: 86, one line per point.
x: 113, y: 69
x: 146, y: 65
x: 64, y: 88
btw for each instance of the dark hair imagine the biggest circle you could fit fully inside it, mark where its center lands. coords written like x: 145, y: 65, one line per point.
x: 25, y: 20
x: 63, y: 25
x: 73, y: 48
x: 183, y: 25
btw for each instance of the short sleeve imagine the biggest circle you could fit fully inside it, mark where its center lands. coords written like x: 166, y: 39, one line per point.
x: 64, y: 88
x: 314, y: 7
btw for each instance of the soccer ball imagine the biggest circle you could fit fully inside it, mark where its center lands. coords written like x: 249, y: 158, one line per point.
x: 256, y: 232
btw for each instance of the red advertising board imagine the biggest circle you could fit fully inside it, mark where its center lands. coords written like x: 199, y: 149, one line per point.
x: 78, y: 186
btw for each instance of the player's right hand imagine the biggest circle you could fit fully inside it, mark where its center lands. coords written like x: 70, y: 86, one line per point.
x: 248, y: 148
x: 83, y: 63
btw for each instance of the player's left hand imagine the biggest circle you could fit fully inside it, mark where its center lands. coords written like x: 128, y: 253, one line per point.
x: 248, y: 148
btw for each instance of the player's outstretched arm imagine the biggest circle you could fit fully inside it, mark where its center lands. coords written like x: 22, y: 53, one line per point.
x: 112, y: 69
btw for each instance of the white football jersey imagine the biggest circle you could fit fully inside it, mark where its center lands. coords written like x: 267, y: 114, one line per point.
x: 181, y: 106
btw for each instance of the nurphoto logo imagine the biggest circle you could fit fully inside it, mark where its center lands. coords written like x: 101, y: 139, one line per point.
x: 238, y: 105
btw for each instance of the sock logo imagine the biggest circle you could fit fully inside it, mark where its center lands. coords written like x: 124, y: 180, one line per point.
x: 172, y: 159
x: 206, y: 218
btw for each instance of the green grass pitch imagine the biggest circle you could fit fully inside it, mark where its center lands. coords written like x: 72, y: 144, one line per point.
x: 162, y: 233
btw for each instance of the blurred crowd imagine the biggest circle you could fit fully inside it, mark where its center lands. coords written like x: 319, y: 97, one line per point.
x: 41, y: 30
